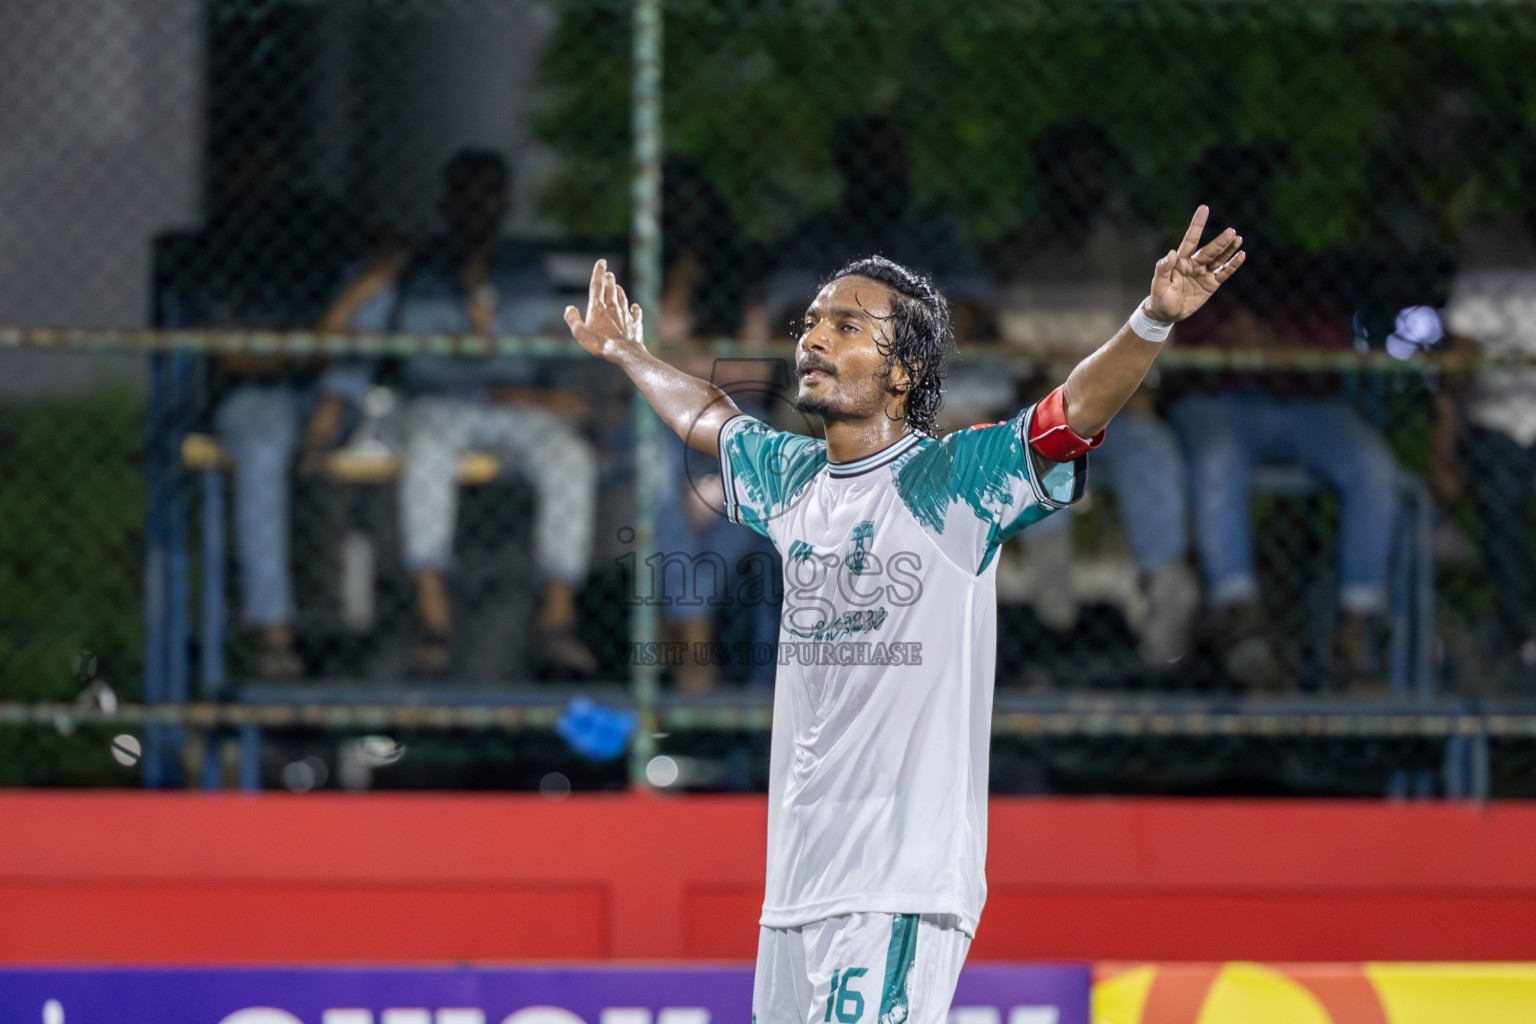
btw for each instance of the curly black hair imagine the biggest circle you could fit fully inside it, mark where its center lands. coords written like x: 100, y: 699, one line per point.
x: 920, y: 334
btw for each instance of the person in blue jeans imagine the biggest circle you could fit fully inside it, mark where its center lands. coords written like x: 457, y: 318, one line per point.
x: 262, y: 424
x: 1086, y: 240
x: 267, y: 257
x: 705, y: 560
x: 1228, y: 435
x: 1233, y: 421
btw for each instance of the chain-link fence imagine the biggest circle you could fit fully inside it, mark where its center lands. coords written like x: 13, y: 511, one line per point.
x: 287, y: 420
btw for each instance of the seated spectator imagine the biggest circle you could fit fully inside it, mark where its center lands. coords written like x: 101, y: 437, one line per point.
x: 876, y: 216
x: 264, y: 259
x: 1231, y: 423
x: 263, y: 421
x: 1486, y: 428
x: 707, y: 268
x: 469, y: 280
x: 1082, y: 262
x: 702, y: 555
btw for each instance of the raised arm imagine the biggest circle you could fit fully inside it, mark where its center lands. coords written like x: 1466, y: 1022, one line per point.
x: 1183, y: 281
x: 613, y: 329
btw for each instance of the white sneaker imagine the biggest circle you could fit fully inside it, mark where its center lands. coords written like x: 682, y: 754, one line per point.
x: 1173, y: 600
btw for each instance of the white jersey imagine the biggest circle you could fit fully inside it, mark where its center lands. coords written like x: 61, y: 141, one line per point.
x: 882, y: 710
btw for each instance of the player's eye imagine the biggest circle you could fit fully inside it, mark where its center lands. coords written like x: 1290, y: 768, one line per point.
x: 851, y: 327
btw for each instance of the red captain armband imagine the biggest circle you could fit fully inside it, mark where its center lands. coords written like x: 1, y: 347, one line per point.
x: 1050, y: 435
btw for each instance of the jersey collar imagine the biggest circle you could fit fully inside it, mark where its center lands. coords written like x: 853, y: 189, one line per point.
x: 890, y: 453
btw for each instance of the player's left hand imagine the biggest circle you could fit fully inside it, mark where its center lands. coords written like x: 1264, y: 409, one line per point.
x: 613, y: 327
x: 1188, y: 276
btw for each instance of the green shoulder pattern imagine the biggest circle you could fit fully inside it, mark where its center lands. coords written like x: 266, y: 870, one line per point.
x: 765, y: 470
x: 990, y: 470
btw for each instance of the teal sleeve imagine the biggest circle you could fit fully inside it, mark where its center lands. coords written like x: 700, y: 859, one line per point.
x: 980, y: 486
x: 765, y: 471
x: 1052, y: 486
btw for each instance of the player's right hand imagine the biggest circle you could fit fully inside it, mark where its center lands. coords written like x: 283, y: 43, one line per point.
x: 613, y: 326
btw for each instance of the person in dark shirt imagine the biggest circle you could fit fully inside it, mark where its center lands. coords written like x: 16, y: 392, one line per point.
x: 1083, y: 256
x: 1485, y: 430
x: 470, y: 280
x: 708, y: 267
x: 266, y: 258
x: 877, y: 215
x: 1230, y: 423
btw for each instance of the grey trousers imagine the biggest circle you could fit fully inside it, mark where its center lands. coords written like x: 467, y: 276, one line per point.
x: 532, y: 441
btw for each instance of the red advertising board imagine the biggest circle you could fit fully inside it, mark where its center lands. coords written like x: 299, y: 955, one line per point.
x: 334, y: 878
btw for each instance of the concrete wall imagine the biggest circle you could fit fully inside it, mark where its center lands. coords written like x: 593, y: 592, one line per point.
x: 100, y: 147
x: 400, y: 94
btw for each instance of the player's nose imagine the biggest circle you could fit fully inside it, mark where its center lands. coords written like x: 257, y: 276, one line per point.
x: 817, y: 339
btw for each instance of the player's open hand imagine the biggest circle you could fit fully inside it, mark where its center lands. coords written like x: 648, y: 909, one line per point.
x: 1188, y: 276
x: 613, y: 325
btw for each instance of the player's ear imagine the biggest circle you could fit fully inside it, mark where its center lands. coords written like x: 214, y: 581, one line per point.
x: 897, y: 380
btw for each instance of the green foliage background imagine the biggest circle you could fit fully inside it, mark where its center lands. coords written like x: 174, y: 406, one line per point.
x: 71, y: 522
x: 1430, y: 103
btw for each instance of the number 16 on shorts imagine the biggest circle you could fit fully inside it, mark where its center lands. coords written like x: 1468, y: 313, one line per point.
x: 843, y: 1000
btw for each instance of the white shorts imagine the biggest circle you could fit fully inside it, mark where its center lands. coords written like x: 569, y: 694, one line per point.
x: 859, y: 969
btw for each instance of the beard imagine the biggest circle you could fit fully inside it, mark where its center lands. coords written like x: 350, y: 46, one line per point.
x: 864, y: 398
x: 819, y: 405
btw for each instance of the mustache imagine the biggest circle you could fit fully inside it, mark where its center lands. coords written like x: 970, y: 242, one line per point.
x: 810, y: 363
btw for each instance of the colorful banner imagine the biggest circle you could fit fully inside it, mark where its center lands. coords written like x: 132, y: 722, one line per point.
x: 1230, y: 993
x: 1250, y: 993
x: 576, y: 995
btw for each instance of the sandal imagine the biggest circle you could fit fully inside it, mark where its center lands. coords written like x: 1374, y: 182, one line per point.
x: 562, y: 651
x: 279, y: 663
x: 431, y: 653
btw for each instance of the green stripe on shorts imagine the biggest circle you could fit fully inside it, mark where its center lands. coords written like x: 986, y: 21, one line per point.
x: 898, y: 969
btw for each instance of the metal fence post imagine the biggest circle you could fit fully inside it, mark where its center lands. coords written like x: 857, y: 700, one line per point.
x: 166, y: 564
x: 212, y: 622
x: 645, y: 286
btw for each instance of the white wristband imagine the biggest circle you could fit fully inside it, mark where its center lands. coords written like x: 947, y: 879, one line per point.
x: 1147, y: 328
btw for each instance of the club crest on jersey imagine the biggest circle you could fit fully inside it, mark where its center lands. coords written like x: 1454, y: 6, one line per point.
x: 856, y: 555
x: 800, y: 551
